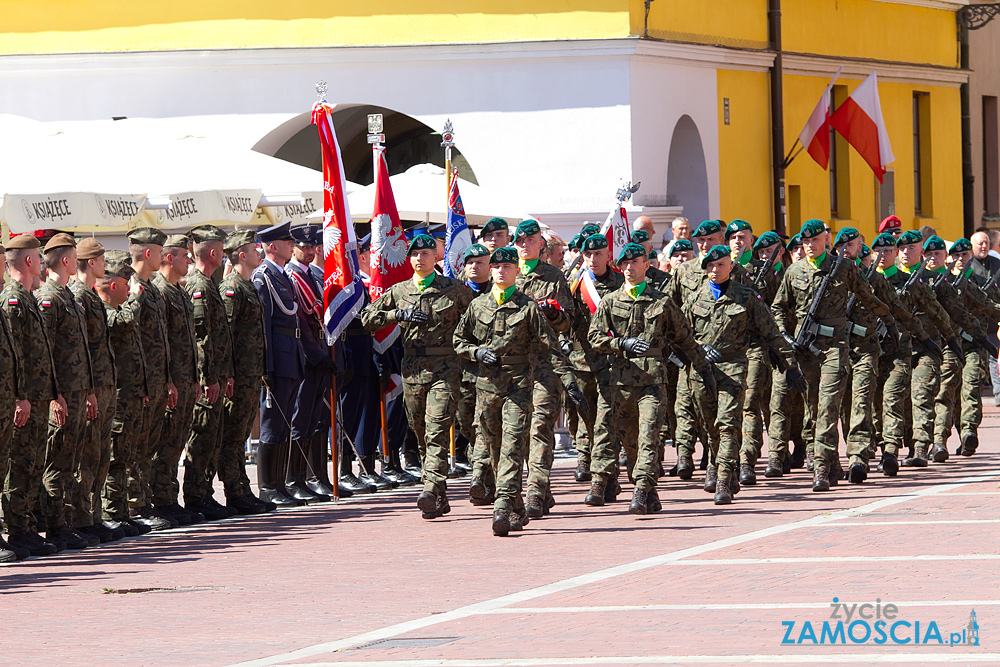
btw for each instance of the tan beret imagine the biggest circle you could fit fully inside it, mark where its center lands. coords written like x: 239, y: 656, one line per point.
x: 60, y: 240
x: 89, y: 248
x: 23, y: 241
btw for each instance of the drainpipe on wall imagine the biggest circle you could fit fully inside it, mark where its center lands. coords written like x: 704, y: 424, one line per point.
x: 777, y: 115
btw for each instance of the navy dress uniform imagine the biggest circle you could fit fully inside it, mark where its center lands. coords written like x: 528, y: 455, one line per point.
x: 283, y: 372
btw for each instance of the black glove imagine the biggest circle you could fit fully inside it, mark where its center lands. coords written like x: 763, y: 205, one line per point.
x: 776, y: 360
x: 633, y: 347
x: 566, y: 346
x: 348, y: 376
x: 410, y: 315
x: 326, y: 364
x: 579, y: 400
x: 486, y: 356
x: 708, y: 377
x: 796, y: 380
x: 551, y: 312
x: 791, y: 341
x: 953, y: 345
x: 384, y: 377
x: 711, y: 354
x: 932, y: 347
x: 268, y: 380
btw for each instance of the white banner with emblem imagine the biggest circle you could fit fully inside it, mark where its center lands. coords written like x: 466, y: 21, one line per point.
x: 189, y: 209
x: 26, y: 213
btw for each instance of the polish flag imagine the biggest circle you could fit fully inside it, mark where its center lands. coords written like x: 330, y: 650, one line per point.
x: 815, y: 136
x: 588, y: 290
x: 859, y: 120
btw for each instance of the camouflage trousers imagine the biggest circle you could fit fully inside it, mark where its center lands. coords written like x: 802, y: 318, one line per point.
x: 689, y: 428
x: 856, y: 408
x: 465, y: 417
x: 946, y: 398
x: 147, y: 443
x: 825, y: 376
x: 722, y: 413
x: 670, y: 399
x: 547, y: 399
x: 756, y: 405
x: 17, y: 466
x: 505, y: 428
x: 430, y: 409
x: 583, y: 433
x: 163, y: 483
x: 201, y: 461
x: 633, y: 415
x: 924, y: 382
x: 891, y: 395
x: 240, y: 411
x: 127, y: 422
x: 971, y: 412
x: 61, y: 488
x: 95, y: 458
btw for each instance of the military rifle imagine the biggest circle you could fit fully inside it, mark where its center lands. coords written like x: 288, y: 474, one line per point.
x: 810, y: 328
x: 758, y: 282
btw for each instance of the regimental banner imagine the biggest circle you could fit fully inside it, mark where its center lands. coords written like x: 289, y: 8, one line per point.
x: 26, y: 213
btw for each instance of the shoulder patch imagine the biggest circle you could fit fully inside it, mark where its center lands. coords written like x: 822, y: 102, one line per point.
x: 12, y: 301
x: 196, y: 295
x: 45, y: 303
x: 230, y: 292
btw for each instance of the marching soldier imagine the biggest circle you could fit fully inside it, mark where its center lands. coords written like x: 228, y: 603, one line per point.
x: 506, y: 334
x: 495, y: 234
x: 285, y: 363
x: 215, y: 375
x: 65, y: 332
x: 95, y: 451
x: 636, y: 324
x: 427, y: 309
x: 179, y: 312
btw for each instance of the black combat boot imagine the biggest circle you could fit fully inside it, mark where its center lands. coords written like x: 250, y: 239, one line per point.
x: 685, y: 466
x: 582, y: 470
x: 639, y: 501
x: 295, y: 477
x: 748, y: 476
x: 711, y: 474
x: 271, y: 475
x: 596, y: 496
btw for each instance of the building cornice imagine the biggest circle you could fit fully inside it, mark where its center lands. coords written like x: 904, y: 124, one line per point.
x: 803, y: 64
x: 949, y: 5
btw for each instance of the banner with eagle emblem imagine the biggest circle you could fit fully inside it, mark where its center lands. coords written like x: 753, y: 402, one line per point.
x: 457, y: 237
x: 343, y: 290
x: 389, y: 263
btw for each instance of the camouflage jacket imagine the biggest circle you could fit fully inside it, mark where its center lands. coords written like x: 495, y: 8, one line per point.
x: 583, y: 356
x: 31, y: 338
x: 152, y: 326
x: 769, y: 283
x: 798, y: 288
x: 735, y: 322
x: 102, y: 357
x: 969, y: 307
x: 920, y: 301
x: 655, y: 277
x: 66, y: 327
x: 908, y: 326
x: 688, y: 278
x: 245, y: 313
x: 428, y: 352
x: 547, y: 282
x: 215, y: 345
x: 655, y: 319
x: 180, y: 330
x: 519, y: 335
x: 11, y: 368
x: 130, y: 359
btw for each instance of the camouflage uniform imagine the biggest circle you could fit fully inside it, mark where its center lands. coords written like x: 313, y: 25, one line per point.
x: 544, y: 282
x: 246, y: 322
x: 131, y: 390
x: 177, y: 420
x: 152, y: 325
x: 632, y: 401
x: 95, y: 452
x: 215, y: 364
x: 825, y: 372
x: 520, y: 336
x: 971, y: 411
x: 432, y: 374
x: 735, y: 323
x: 12, y: 388
x: 65, y: 329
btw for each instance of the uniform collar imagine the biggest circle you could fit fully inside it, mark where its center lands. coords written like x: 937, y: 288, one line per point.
x: 527, y: 265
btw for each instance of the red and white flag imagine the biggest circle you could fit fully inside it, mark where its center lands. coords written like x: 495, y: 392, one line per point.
x: 815, y: 136
x: 615, y: 228
x: 588, y: 291
x: 388, y: 261
x: 859, y: 120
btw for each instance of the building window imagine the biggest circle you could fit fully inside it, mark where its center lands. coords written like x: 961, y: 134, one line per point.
x: 922, y: 205
x: 991, y: 162
x: 840, y: 174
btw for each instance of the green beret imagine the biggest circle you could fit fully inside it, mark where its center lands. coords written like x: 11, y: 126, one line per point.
x: 595, y: 242
x: 884, y: 240
x: 846, y: 235
x: 630, y: 251
x: 794, y: 242
x: 766, y: 240
x: 640, y: 236
x: 737, y: 225
x: 961, y: 245
x: 494, y: 225
x: 527, y: 227
x: 588, y: 229
x: 177, y: 241
x: 475, y: 250
x: 653, y: 254
x: 707, y: 227
x: 207, y: 234
x: 146, y: 235
x: 574, y: 243
x: 812, y: 229
x: 238, y: 239
x: 421, y: 242
x: 934, y: 243
x: 714, y: 255
x: 865, y: 251
x: 505, y: 255
x: 680, y: 245
x: 118, y: 264
x: 908, y: 237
